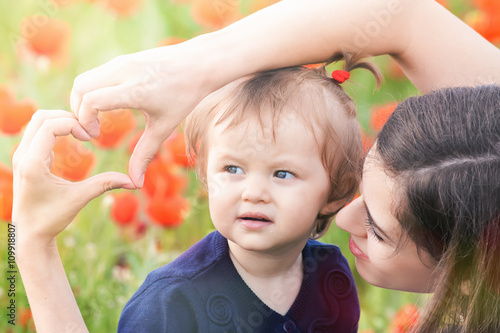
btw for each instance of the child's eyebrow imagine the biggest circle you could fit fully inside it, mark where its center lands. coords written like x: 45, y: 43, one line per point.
x: 375, y: 225
x: 229, y: 153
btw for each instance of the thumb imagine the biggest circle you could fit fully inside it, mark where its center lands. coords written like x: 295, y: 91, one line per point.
x: 103, y: 182
x: 144, y: 151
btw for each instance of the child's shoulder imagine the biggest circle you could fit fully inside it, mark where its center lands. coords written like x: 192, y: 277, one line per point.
x: 200, y: 256
x: 331, y: 249
x: 197, y: 263
x: 327, y: 254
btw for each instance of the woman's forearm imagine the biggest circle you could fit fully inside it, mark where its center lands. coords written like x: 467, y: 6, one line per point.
x: 433, y: 47
x: 442, y: 51
x: 50, y: 296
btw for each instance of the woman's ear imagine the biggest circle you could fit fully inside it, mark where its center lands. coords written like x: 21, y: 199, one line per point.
x: 332, y: 207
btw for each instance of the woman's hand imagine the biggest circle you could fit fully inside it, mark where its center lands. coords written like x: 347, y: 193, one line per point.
x: 45, y: 204
x: 163, y: 83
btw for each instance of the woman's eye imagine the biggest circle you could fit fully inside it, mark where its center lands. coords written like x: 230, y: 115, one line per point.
x: 371, y: 230
x: 282, y: 174
x: 233, y: 169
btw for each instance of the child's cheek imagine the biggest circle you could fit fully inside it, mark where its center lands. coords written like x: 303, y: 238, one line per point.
x: 218, y: 183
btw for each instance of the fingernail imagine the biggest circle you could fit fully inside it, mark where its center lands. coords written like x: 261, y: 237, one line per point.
x: 129, y: 186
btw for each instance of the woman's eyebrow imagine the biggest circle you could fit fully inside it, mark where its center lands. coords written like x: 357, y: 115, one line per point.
x: 375, y: 225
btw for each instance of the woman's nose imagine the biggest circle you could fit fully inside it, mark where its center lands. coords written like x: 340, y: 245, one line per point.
x: 256, y: 189
x: 352, y: 218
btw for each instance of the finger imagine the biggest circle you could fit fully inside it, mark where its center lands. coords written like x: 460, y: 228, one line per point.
x: 105, y: 75
x: 103, y: 182
x: 43, y: 142
x: 34, y: 125
x: 104, y: 99
x: 146, y: 148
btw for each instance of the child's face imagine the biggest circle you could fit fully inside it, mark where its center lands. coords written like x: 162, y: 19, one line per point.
x: 265, y: 195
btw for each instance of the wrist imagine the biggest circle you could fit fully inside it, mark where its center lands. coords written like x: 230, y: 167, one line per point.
x: 30, y: 247
x: 224, y: 58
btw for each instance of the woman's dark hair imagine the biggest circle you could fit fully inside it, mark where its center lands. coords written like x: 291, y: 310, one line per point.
x: 443, y: 150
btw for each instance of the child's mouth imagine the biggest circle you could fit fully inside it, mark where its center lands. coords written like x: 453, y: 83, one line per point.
x: 254, y: 220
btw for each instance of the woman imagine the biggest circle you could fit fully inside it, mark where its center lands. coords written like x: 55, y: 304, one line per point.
x: 166, y: 83
x: 428, y: 219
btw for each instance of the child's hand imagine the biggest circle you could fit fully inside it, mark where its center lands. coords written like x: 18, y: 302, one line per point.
x: 162, y: 83
x: 44, y: 204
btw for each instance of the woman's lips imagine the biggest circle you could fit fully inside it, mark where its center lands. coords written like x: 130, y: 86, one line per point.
x: 356, y: 251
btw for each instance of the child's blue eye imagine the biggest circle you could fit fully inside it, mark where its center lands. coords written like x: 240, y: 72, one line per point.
x: 282, y: 174
x: 233, y: 169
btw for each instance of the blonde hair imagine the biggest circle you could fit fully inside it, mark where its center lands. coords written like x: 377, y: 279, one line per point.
x: 283, y: 94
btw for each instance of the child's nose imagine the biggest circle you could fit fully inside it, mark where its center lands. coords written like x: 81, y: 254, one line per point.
x: 256, y: 189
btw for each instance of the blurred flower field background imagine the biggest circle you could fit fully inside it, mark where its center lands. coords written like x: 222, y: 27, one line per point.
x: 120, y: 237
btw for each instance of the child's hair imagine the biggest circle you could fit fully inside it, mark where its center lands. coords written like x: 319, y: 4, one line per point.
x: 280, y: 96
x: 443, y: 150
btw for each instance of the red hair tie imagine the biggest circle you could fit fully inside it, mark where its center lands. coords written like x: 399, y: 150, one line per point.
x: 340, y: 76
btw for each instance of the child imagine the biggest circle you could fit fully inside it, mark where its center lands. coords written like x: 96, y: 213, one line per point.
x: 279, y: 153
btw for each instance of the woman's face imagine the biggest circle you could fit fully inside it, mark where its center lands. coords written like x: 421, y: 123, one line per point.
x: 375, y: 235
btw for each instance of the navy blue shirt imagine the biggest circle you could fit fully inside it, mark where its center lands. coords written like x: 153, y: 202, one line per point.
x: 201, y: 291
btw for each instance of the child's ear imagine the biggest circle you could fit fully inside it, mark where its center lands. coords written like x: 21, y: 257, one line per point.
x: 332, y: 207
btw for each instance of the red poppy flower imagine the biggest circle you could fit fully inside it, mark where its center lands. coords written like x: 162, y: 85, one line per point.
x: 6, y: 192
x: 380, y: 114
x: 47, y: 37
x: 167, y: 212
x: 62, y: 2
x: 444, y: 3
x: 490, y: 6
x: 115, y: 126
x: 256, y: 5
x: 367, y: 142
x: 406, y: 319
x: 14, y: 115
x: 124, y: 7
x: 171, y: 41
x: 72, y: 160
x: 394, y: 71
x: 124, y: 207
x: 25, y: 318
x: 176, y: 146
x: 486, y: 23
x: 312, y: 66
x: 162, y: 179
x: 215, y: 14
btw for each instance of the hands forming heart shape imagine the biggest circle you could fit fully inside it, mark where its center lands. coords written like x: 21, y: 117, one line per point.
x: 38, y: 193
x: 156, y: 82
